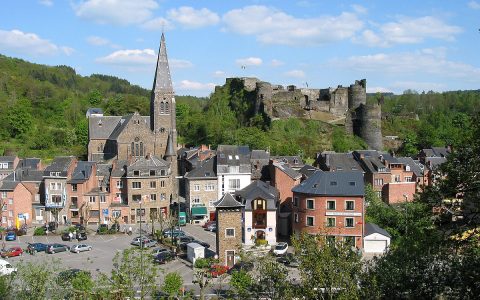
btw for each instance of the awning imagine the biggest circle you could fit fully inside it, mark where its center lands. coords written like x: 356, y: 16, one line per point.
x: 199, y: 211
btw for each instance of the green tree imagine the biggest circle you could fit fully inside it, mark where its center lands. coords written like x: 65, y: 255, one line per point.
x: 271, y: 280
x: 19, y: 117
x: 81, y: 132
x: 242, y: 282
x: 172, y: 284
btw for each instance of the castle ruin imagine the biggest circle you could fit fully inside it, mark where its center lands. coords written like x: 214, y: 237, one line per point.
x: 344, y: 103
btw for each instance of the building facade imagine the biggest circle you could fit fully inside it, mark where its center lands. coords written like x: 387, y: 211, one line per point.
x: 233, y: 168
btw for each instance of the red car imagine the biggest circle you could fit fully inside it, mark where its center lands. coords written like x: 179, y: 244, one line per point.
x: 208, y: 223
x: 217, y: 270
x: 14, y: 251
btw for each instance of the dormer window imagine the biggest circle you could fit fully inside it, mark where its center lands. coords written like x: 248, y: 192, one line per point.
x: 152, y: 172
x: 352, y: 183
x: 136, y: 173
x: 407, y: 168
x: 333, y: 183
x: 230, y: 157
x: 236, y: 157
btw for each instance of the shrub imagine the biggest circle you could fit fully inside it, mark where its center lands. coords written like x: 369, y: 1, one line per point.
x: 39, y: 231
x: 259, y: 242
x: 202, y: 263
x: 103, y: 230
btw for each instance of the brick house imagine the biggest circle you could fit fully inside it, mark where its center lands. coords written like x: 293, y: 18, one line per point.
x: 201, y: 191
x: 7, y: 165
x: 330, y: 204
x: 260, y: 202
x: 55, y: 178
x: 229, y: 229
x: 16, y: 204
x: 32, y: 179
x: 119, y: 191
x: 189, y: 159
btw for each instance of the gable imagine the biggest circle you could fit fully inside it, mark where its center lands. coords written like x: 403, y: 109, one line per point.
x: 135, y: 127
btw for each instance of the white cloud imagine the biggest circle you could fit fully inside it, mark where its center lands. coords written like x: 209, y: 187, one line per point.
x: 180, y: 63
x: 249, y: 61
x: 193, y: 85
x: 158, y: 24
x: 119, y: 12
x: 295, y: 74
x: 474, y: 5
x: 431, y: 61
x: 219, y: 74
x: 29, y: 43
x: 276, y: 63
x: 378, y: 89
x: 46, y: 2
x: 359, y: 9
x: 408, y: 31
x: 97, y: 41
x: 192, y: 18
x: 272, y: 26
x: 130, y: 57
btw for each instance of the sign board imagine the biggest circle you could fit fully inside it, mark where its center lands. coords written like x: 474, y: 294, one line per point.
x: 346, y: 214
x: 105, y: 211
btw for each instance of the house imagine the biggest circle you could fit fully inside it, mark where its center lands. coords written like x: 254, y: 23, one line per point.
x: 260, y: 201
x: 55, y: 177
x: 293, y: 161
x: 119, y: 192
x: 84, y: 196
x: 233, y: 169
x: 94, y: 112
x: 307, y: 171
x: 16, y: 204
x: 337, y: 162
x: 150, y: 188
x: 330, y: 204
x: 376, y: 239
x: 201, y: 191
x: 259, y: 160
x: 229, y: 229
x: 189, y: 159
x: 7, y: 165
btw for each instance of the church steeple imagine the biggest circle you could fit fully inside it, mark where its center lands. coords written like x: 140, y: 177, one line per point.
x: 163, y: 81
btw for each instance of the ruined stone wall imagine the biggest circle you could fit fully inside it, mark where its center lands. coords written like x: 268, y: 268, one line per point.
x: 357, y: 94
x: 370, y: 125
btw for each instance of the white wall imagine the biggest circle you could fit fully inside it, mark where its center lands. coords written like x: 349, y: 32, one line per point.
x: 372, y: 242
x: 245, y: 179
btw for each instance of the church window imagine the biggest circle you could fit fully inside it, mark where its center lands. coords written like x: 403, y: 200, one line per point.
x: 137, y: 152
x: 133, y: 149
x: 141, y: 148
x: 162, y: 109
x: 166, y: 108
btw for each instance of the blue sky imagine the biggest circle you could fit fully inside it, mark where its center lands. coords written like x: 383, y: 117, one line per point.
x: 395, y: 45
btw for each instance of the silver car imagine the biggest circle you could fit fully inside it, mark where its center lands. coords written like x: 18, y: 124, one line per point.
x: 80, y: 248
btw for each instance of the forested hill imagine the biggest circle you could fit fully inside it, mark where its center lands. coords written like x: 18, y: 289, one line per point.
x: 42, y: 108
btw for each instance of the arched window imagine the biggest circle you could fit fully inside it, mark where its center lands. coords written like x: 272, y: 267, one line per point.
x: 162, y: 108
x: 137, y: 152
x: 141, y: 148
x: 166, y: 108
x: 133, y: 149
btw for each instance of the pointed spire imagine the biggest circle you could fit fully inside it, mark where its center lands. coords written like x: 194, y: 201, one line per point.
x: 163, y: 81
x: 170, y: 150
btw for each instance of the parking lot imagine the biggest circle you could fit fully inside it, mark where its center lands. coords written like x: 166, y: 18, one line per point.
x: 104, y: 248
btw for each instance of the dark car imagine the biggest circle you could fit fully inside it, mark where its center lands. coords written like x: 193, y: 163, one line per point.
x: 81, y: 236
x: 241, y: 266
x: 79, y: 227
x: 55, y: 248
x: 67, y: 236
x: 37, y: 247
x: 289, y: 260
x: 11, y: 236
x: 51, y: 226
x: 164, y: 257
x: 173, y: 234
x: 185, y: 239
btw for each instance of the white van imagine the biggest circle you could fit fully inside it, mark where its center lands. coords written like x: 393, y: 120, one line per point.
x: 6, y: 268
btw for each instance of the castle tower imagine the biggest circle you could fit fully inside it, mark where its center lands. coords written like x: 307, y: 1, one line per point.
x: 162, y: 104
x: 229, y: 229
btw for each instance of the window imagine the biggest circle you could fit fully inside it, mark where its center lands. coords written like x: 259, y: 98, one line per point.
x: 4, y: 165
x: 152, y: 173
x: 162, y: 183
x: 379, y: 194
x: 349, y: 222
x: 162, y: 172
x: 295, y: 201
x: 351, y: 183
x: 333, y: 183
x: 153, y: 184
x: 119, y: 184
x: 102, y: 199
x: 230, y: 232
x: 95, y: 213
x: 196, y: 187
x: 74, y: 201
x: 236, y: 157
x: 331, y: 240
x: 74, y: 214
x: 10, y: 213
x: 296, y: 218
x: 4, y: 194
x: 209, y: 187
x: 163, y: 196
x: 309, y: 221
x: 74, y: 187
x: 56, y: 199
x: 4, y: 219
x: 349, y: 241
x: 378, y: 181
x: 136, y: 173
x: 397, y: 178
x: 166, y: 108
x: 310, y: 204
x: 408, y: 178
x: 140, y: 212
x: 349, y: 205
x: 10, y: 201
x: 153, y: 197
x: 4, y: 207
x: 234, y: 184
x: 136, y: 185
x: 136, y: 197
x: 116, y: 214
x: 331, y: 222
x: 92, y: 199
x: 331, y: 205
x: 196, y: 200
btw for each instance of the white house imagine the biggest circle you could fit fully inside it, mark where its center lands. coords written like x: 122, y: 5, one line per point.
x: 260, y: 212
x: 376, y: 239
x: 233, y: 168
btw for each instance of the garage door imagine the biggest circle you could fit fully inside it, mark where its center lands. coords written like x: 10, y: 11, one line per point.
x: 375, y: 246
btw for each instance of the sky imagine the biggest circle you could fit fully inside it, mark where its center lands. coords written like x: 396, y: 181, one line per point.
x: 396, y: 45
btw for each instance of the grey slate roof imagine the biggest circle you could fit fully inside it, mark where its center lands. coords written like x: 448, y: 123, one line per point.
x: 414, y: 167
x: 94, y: 110
x: 120, y: 169
x: 287, y: 170
x: 170, y: 151
x: 371, y: 228
x: 26, y: 174
x: 7, y: 158
x: 82, y: 172
x: 332, y: 184
x: 339, y: 162
x: 307, y: 170
x: 260, y: 154
x: 162, y: 82
x: 371, y: 160
x: 436, y: 152
x: 227, y: 201
x: 294, y: 161
x: 433, y: 162
x: 59, y: 164
x: 102, y: 127
x: 30, y: 163
x: 205, y: 169
x: 8, y: 185
x: 227, y: 156
x: 149, y: 162
x: 259, y: 189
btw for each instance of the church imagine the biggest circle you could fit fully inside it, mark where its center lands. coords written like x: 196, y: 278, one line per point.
x: 133, y: 136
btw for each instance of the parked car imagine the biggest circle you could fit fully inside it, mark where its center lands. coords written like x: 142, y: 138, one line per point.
x: 208, y: 223
x: 81, y: 236
x: 157, y: 251
x: 79, y: 227
x: 11, y: 236
x: 212, y: 227
x: 55, y: 248
x: 204, y: 244
x: 241, y: 266
x: 6, y: 268
x: 217, y: 270
x: 11, y: 252
x: 280, y: 249
x: 185, y: 239
x: 148, y: 243
x: 137, y: 240
x: 80, y: 248
x: 289, y: 260
x: 164, y: 257
x: 174, y: 233
x: 37, y: 247
x: 67, y: 236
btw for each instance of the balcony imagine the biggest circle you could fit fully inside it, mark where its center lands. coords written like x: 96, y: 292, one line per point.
x: 259, y: 220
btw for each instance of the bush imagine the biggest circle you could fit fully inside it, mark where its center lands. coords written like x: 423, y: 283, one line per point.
x: 259, y: 242
x: 39, y: 231
x: 103, y: 230
x: 202, y: 263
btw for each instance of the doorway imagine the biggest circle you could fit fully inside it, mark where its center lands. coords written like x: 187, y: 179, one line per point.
x: 230, y: 258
